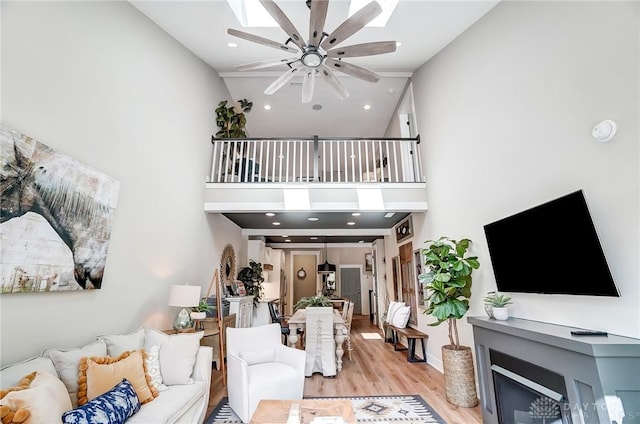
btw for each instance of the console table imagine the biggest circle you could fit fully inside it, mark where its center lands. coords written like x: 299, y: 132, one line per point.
x: 242, y: 307
x: 600, y: 375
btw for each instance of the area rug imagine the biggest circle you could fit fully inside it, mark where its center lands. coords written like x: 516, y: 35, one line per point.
x: 369, y: 409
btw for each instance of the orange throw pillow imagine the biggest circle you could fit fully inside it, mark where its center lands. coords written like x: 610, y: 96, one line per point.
x: 99, y: 375
x: 38, y: 398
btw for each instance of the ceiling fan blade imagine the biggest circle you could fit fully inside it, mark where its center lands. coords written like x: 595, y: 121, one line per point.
x: 265, y: 64
x: 282, y: 80
x: 366, y: 49
x: 260, y: 40
x: 278, y: 15
x: 308, y: 85
x: 353, y: 24
x: 316, y: 21
x: 353, y: 70
x: 333, y: 82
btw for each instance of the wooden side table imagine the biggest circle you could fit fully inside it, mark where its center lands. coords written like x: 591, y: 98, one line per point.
x: 211, y: 336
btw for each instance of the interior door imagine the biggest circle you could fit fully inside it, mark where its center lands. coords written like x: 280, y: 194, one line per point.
x: 407, y: 279
x: 350, y: 287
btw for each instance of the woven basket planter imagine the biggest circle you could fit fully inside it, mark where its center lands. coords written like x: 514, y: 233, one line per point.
x: 459, y: 379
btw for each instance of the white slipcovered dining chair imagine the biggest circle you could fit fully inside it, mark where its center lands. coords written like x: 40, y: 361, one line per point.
x: 261, y: 367
x: 348, y: 318
x: 320, y: 343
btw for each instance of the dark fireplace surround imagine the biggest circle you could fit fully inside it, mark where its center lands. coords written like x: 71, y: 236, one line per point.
x: 548, y: 376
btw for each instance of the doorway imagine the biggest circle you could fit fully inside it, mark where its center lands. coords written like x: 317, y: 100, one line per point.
x: 350, y: 287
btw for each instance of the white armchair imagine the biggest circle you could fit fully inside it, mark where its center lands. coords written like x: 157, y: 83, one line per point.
x: 261, y: 367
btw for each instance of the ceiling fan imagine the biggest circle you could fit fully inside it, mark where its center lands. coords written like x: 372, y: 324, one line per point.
x: 318, y: 55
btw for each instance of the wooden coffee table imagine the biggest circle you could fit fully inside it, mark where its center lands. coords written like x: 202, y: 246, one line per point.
x: 277, y: 411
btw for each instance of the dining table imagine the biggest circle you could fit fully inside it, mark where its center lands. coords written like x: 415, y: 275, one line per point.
x: 299, y: 320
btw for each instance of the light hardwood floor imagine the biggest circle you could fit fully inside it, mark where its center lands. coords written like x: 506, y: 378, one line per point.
x: 376, y: 369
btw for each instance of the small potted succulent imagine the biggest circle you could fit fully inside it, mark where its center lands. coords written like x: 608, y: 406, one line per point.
x: 200, y: 311
x: 496, y: 305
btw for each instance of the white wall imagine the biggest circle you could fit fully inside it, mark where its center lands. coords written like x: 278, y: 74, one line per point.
x: 98, y: 81
x: 505, y: 115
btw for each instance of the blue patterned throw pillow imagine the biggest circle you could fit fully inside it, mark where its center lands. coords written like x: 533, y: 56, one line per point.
x: 112, y: 407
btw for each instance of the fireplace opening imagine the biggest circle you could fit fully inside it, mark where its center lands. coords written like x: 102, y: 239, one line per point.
x: 526, y: 393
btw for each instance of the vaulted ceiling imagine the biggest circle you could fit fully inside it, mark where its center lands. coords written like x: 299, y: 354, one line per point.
x: 423, y: 27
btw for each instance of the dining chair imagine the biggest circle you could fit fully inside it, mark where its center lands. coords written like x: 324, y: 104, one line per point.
x: 277, y: 317
x: 320, y: 344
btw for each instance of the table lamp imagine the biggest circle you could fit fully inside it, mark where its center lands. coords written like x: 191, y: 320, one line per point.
x: 183, y: 296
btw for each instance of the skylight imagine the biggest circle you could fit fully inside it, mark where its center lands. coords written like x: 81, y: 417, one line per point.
x: 250, y: 13
x: 388, y: 6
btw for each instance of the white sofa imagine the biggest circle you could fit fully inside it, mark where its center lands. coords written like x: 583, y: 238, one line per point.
x: 175, y: 403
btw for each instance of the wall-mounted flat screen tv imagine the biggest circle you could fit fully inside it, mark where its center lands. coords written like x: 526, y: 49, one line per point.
x: 551, y: 248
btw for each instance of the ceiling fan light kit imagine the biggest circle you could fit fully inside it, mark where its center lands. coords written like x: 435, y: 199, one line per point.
x: 319, y: 54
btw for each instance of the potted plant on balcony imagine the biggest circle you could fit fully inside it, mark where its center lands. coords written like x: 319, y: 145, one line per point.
x: 232, y: 119
x: 447, y: 281
x: 251, y: 277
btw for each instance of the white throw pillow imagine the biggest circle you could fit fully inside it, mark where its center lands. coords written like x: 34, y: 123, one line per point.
x: 401, y: 317
x: 177, y: 354
x: 153, y: 368
x: 67, y: 361
x: 117, y: 344
x: 393, y: 307
x: 253, y: 357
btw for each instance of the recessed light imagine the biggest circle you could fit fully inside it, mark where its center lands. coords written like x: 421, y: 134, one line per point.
x: 366, y: 107
x: 285, y: 235
x: 389, y: 214
x: 267, y: 107
x: 391, y: 91
x: 351, y: 223
x: 270, y: 214
x: 288, y: 241
x: 361, y: 241
x: 312, y: 219
x: 313, y: 238
x: 316, y: 107
x: 356, y: 214
x: 275, y: 223
x: 232, y: 45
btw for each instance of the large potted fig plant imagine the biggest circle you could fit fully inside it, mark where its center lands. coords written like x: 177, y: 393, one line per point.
x: 447, y: 281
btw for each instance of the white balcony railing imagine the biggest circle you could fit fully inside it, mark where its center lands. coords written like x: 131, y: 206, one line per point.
x: 316, y: 160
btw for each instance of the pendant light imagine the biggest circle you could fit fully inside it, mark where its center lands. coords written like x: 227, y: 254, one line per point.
x: 326, y: 267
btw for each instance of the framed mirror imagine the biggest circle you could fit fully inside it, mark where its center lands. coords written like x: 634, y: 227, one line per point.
x: 228, y: 265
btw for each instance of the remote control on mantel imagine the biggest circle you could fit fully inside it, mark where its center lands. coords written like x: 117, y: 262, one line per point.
x: 588, y: 333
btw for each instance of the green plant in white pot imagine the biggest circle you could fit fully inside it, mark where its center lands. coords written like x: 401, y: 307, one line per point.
x: 312, y: 301
x: 447, y: 281
x: 498, y: 304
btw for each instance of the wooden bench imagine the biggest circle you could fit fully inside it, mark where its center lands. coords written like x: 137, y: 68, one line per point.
x: 412, y: 335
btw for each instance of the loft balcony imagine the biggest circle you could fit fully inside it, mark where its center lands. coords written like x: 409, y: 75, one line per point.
x: 315, y: 174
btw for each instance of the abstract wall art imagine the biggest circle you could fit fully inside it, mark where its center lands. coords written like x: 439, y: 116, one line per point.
x: 56, y: 216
